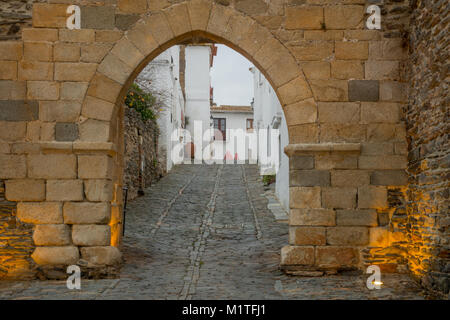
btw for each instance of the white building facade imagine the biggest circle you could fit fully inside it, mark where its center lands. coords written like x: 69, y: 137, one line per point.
x: 199, y: 60
x: 231, y: 124
x: 268, y: 114
x: 180, y: 80
x: 161, y: 77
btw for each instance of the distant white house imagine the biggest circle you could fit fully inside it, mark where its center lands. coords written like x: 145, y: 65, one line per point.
x: 180, y: 79
x: 199, y: 61
x: 228, y: 118
x: 268, y: 114
x: 161, y: 77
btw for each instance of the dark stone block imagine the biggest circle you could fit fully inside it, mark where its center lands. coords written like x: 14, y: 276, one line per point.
x: 19, y: 110
x: 66, y: 131
x: 251, y: 6
x: 383, y: 219
x: 389, y: 178
x: 363, y: 90
x: 223, y: 2
x: 125, y: 21
x: 97, y: 17
x: 310, y: 178
x: 301, y: 162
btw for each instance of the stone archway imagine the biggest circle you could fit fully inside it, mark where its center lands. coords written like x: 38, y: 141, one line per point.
x: 158, y: 31
x: 336, y: 117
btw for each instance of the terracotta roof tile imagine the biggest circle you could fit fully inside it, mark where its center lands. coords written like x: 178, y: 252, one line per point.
x: 226, y: 108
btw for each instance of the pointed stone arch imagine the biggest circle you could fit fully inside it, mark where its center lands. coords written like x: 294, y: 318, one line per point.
x: 340, y: 175
x: 157, y: 31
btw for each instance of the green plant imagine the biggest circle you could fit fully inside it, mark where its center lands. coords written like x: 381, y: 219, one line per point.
x: 268, y: 179
x: 141, y: 101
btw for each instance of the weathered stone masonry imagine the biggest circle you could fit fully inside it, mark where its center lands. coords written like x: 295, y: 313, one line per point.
x: 342, y: 88
x: 14, y: 16
x: 16, y: 243
x: 141, y: 144
x: 427, y: 116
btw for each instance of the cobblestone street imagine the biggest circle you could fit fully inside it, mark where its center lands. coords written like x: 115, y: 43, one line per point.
x: 204, y: 232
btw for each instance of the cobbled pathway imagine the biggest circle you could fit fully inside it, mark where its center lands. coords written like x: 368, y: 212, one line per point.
x: 204, y: 232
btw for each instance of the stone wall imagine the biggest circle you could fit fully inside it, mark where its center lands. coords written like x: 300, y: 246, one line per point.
x: 15, y: 15
x: 16, y: 243
x: 342, y: 88
x: 388, y: 240
x: 363, y: 190
x: 318, y: 57
x: 427, y: 118
x: 141, y: 142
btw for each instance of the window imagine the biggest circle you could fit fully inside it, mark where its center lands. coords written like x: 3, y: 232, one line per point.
x: 220, y: 124
x: 249, y: 124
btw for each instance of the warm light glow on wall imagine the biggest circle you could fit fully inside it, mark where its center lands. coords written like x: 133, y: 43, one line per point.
x: 115, y: 224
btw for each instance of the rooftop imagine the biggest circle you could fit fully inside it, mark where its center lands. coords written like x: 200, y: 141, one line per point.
x: 225, y: 108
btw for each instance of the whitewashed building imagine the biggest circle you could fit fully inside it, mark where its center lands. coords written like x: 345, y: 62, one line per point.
x: 228, y: 118
x: 161, y: 77
x: 199, y: 60
x: 268, y: 114
x: 180, y: 79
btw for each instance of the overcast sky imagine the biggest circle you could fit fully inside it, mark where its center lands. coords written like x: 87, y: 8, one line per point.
x: 231, y: 79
